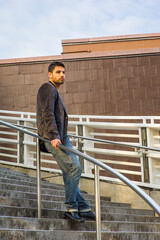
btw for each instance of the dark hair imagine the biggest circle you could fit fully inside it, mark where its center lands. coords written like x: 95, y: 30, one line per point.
x: 53, y: 65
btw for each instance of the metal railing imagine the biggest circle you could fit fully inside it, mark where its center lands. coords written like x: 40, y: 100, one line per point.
x: 139, y: 165
x: 97, y: 164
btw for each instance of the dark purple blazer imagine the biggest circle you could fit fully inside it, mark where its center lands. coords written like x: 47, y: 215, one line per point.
x: 52, y: 118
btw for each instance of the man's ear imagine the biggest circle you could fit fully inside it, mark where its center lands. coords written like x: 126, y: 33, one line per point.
x: 49, y: 74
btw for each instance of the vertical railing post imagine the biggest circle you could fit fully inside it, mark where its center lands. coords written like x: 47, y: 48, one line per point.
x: 88, y: 167
x: 20, y: 145
x: 80, y: 144
x: 38, y: 180
x: 97, y: 203
x: 146, y: 176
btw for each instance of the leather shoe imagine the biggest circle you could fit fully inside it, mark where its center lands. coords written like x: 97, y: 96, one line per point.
x: 88, y: 215
x: 73, y: 217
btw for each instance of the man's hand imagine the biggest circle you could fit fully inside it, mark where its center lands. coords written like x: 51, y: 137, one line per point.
x: 55, y: 143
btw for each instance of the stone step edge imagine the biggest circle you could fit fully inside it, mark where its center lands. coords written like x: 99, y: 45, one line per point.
x: 62, y: 202
x: 62, y: 211
x: 28, y: 186
x: 87, y: 221
x: 87, y: 196
x: 92, y: 206
x: 75, y: 231
x: 42, y: 189
x: 45, y: 183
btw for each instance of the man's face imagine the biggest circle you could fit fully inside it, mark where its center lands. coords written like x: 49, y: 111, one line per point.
x: 57, y: 77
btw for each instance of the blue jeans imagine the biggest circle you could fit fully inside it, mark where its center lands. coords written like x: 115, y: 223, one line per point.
x: 71, y: 169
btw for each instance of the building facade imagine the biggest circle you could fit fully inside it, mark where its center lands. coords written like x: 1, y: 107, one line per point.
x: 104, y: 76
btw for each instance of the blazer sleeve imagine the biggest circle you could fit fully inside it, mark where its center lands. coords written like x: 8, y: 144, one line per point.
x: 48, y: 96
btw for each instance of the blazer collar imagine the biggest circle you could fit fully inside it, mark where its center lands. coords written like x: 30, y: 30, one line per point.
x: 59, y: 97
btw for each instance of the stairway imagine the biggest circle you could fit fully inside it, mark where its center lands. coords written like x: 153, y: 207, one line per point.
x: 18, y: 214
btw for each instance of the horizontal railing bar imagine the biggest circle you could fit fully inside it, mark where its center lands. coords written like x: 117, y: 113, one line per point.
x: 17, y: 112
x: 126, y: 143
x: 87, y: 116
x: 120, y: 162
x: 8, y: 133
x: 153, y: 155
x: 75, y: 123
x: 31, y: 128
x: 45, y: 161
x: 157, y: 145
x: 110, y: 125
x: 121, y: 135
x: 6, y: 118
x: 125, y: 171
x: 111, y: 152
x: 29, y: 143
x: 8, y: 155
x: 116, y: 143
x: 101, y: 140
x: 9, y: 149
x: 4, y: 140
x: 156, y: 137
x: 114, y: 117
x: 134, y: 187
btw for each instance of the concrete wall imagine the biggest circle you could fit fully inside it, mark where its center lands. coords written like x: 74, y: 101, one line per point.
x: 124, y: 83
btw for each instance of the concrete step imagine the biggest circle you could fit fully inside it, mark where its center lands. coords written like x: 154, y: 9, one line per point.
x: 30, y: 196
x: 56, y: 195
x: 22, y: 182
x: 74, y: 235
x: 8, y: 172
x: 46, y: 185
x: 33, y: 183
x: 58, y: 224
x: 44, y: 190
x: 58, y: 213
x: 17, y: 202
x: 26, y: 188
x: 25, y: 178
x: 48, y: 198
x: 18, y: 210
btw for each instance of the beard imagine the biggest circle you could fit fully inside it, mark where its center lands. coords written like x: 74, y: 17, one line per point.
x: 60, y: 83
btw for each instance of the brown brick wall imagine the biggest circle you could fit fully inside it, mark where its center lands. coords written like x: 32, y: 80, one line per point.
x: 103, y: 86
x: 124, y: 86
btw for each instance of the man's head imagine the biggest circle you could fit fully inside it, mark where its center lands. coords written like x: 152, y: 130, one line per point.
x: 55, y: 64
x: 56, y: 73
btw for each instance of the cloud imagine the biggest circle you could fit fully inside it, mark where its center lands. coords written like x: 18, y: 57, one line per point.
x: 36, y: 27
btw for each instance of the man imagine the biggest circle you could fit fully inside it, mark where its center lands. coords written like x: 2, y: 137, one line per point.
x: 52, y: 123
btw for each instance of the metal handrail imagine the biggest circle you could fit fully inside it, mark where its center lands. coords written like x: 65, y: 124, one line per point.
x: 133, y: 186
x: 115, y: 143
x: 100, y: 140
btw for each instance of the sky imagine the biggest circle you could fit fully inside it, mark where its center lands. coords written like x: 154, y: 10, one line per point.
x: 33, y: 28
